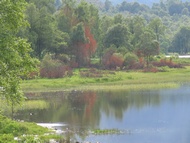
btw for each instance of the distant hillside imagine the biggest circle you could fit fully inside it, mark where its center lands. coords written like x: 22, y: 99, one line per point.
x: 147, y: 2
x: 100, y: 3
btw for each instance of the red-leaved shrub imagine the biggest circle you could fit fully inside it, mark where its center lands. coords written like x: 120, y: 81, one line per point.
x: 112, y: 60
x: 51, y: 68
x: 165, y: 62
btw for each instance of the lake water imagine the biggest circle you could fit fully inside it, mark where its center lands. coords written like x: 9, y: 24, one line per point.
x: 156, y: 116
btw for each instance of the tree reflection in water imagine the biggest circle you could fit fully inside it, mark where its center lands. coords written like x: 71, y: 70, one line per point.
x: 146, y: 114
x: 82, y: 110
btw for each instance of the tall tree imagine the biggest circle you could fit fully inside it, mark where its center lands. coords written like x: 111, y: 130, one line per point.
x: 15, y: 60
x: 148, y: 46
x: 50, y: 4
x: 117, y: 35
x: 136, y: 27
x: 77, y: 39
x: 158, y: 27
x: 41, y: 30
x: 181, y: 41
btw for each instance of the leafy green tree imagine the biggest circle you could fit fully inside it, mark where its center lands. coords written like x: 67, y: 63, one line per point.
x: 117, y: 35
x: 50, y: 4
x: 66, y: 18
x: 41, y: 30
x: 118, y: 19
x: 136, y: 27
x: 15, y: 59
x: 30, y: 32
x: 82, y: 12
x: 105, y: 23
x: 94, y: 22
x: 44, y: 28
x: 63, y: 22
x: 60, y: 43
x: 148, y: 46
x: 134, y: 7
x: 157, y: 26
x: 181, y: 41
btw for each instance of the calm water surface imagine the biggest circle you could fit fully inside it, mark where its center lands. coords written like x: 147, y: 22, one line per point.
x: 157, y: 116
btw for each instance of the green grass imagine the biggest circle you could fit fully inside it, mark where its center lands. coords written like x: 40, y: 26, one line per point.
x: 120, y: 80
x: 10, y: 129
x: 33, y: 104
x: 28, y: 104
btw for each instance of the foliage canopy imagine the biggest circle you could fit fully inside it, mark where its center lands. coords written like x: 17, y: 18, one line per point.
x: 15, y: 60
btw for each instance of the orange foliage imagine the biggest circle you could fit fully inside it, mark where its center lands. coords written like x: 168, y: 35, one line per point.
x: 111, y: 60
x: 90, y: 99
x: 85, y: 50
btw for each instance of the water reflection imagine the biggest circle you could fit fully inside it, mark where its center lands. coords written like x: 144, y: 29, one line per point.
x: 151, y: 116
x: 85, y: 108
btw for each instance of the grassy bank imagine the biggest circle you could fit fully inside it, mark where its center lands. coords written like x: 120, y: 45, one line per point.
x: 14, y: 132
x: 121, y: 80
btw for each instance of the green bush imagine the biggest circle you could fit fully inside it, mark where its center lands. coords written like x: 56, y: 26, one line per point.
x: 130, y: 60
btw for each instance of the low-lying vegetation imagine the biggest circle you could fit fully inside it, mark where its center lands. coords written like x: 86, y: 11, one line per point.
x: 101, y: 79
x: 106, y: 131
x: 13, y: 131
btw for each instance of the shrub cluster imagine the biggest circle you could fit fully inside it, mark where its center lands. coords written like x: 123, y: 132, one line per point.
x: 165, y: 62
x: 52, y: 68
x: 130, y: 60
x: 133, y: 62
x: 112, y: 60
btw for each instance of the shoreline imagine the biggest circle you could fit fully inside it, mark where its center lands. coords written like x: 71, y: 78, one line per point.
x: 121, y: 80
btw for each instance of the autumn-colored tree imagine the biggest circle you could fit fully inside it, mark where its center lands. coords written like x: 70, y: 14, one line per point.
x: 90, y: 46
x: 79, y: 22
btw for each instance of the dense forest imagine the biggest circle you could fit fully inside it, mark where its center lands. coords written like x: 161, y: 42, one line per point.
x: 97, y: 33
